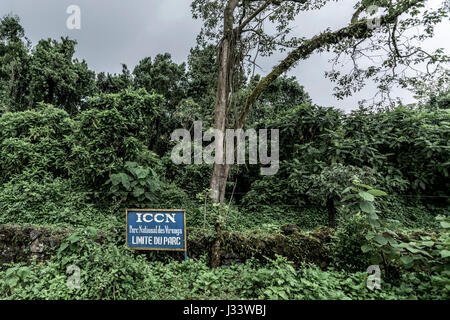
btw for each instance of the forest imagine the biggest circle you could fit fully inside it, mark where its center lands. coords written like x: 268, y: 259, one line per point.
x: 354, y: 190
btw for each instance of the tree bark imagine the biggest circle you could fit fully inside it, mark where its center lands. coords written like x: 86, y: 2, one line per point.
x: 358, y: 29
x: 331, y: 213
x: 216, y: 248
x: 224, y: 88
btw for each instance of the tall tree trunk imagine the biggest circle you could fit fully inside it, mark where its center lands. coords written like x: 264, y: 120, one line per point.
x: 224, y: 89
x: 219, y: 182
x: 218, y: 177
x: 331, y: 213
x: 358, y: 29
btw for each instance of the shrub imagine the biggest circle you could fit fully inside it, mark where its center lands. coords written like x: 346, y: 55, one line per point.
x: 35, y: 199
x: 350, y: 237
x: 135, y: 182
x: 37, y: 140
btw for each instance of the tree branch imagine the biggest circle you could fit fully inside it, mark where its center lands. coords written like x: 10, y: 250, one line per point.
x: 262, y: 8
x: 358, y: 30
x: 355, y: 16
x: 253, y: 15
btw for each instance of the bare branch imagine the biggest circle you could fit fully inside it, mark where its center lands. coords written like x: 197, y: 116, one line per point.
x: 355, y: 16
x: 358, y: 30
x: 253, y: 15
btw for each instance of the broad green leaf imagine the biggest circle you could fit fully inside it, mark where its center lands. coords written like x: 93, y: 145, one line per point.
x: 63, y: 246
x: 428, y: 243
x: 369, y: 236
x: 138, y: 191
x: 125, y: 180
x: 366, y: 206
x: 347, y: 197
x: 9, y: 271
x: 12, y: 282
x: 407, y: 260
x: 141, y: 173
x: 115, y: 179
x: 373, y: 216
x: 73, y: 238
x: 92, y: 232
x: 366, y: 196
x: 445, y: 224
x: 374, y: 222
x: 130, y: 165
x: 380, y: 239
x: 23, y: 272
x: 445, y: 253
x: 362, y: 185
x: 392, y: 241
x: 148, y: 195
x: 346, y: 190
x: 377, y: 193
x: 65, y: 260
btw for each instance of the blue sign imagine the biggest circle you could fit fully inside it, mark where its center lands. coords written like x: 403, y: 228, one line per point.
x: 158, y: 229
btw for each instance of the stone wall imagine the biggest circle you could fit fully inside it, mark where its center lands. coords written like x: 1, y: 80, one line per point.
x: 22, y: 243
x: 292, y: 243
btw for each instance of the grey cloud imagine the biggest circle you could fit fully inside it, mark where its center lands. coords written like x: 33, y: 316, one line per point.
x: 116, y: 31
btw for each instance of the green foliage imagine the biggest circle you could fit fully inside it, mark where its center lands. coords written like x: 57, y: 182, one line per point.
x: 75, y: 244
x: 193, y: 178
x: 381, y: 240
x: 139, y: 109
x: 333, y: 181
x: 56, y: 78
x: 107, y: 83
x: 118, y: 128
x: 411, y: 147
x: 16, y: 276
x: 389, y: 144
x: 439, y: 101
x: 75, y: 150
x: 106, y: 273
x: 113, y: 272
x: 430, y: 253
x: 37, y: 140
x: 350, y: 237
x: 202, y: 84
x: 407, y: 147
x: 361, y: 198
x: 307, y: 218
x: 14, y: 65
x: 427, y: 253
x: 162, y: 76
x: 277, y: 280
x: 279, y: 98
x: 35, y: 199
x: 411, y: 212
x: 136, y: 181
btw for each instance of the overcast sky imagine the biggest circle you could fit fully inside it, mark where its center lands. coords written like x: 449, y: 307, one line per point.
x: 117, y: 31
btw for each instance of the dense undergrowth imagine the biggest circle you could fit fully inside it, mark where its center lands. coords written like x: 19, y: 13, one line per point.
x: 111, y: 271
x: 78, y: 148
